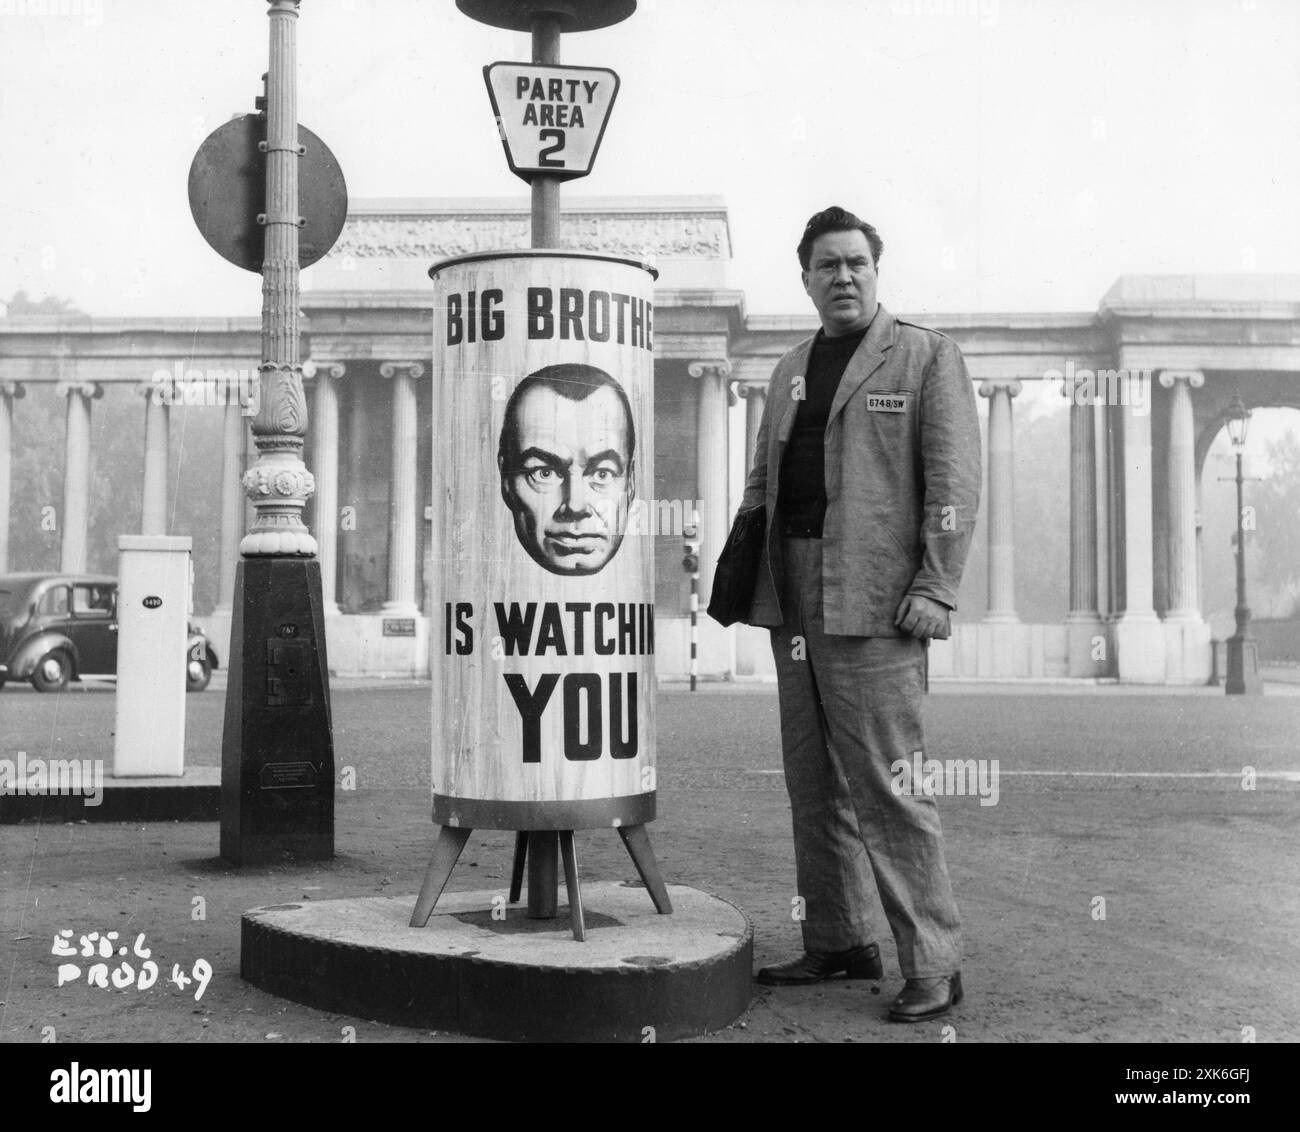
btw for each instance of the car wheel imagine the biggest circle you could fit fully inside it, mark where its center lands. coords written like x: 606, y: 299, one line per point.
x: 197, y: 674
x: 52, y: 672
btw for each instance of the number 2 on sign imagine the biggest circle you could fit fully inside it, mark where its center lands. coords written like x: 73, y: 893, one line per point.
x: 556, y: 138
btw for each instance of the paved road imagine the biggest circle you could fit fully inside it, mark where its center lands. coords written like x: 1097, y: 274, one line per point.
x: 1136, y: 800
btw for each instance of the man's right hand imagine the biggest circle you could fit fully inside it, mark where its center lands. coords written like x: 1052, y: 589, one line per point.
x: 924, y: 618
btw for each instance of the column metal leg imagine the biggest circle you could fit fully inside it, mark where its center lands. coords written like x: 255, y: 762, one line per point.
x: 451, y: 841
x: 570, y: 857
x: 517, y: 869
x: 637, y: 842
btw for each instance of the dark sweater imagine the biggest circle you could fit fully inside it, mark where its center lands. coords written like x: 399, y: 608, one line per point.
x: 801, y: 502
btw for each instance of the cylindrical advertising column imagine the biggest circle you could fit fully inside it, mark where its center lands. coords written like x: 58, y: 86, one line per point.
x: 543, y: 623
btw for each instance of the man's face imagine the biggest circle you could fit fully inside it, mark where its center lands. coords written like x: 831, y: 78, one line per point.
x: 570, y: 481
x: 841, y: 281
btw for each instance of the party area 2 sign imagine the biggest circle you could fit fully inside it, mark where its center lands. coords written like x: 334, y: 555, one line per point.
x: 550, y: 118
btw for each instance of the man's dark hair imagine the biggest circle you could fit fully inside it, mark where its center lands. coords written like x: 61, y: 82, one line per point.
x: 572, y: 380
x: 836, y: 219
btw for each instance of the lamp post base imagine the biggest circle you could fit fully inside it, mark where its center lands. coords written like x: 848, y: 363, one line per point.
x: 1243, y: 668
x: 277, y: 756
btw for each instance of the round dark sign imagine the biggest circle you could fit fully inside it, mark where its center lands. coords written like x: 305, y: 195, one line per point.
x: 152, y: 602
x: 573, y: 15
x: 228, y: 191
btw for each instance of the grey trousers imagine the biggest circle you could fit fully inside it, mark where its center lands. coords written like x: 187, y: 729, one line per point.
x: 851, y: 706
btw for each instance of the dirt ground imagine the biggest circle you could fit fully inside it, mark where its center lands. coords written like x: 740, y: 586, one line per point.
x: 1200, y: 940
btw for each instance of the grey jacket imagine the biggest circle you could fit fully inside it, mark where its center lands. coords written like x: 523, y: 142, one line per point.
x: 903, y: 475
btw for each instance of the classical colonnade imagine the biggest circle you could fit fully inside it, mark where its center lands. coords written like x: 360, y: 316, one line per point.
x: 1111, y: 548
x: 1111, y: 579
x: 1174, y: 350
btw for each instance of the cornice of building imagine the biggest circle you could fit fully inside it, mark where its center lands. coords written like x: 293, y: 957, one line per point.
x: 81, y: 324
x: 1211, y: 295
x: 461, y: 206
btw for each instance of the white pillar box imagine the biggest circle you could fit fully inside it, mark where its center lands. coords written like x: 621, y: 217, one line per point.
x: 153, y: 601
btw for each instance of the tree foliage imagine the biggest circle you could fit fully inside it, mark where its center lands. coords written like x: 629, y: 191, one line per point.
x: 21, y: 304
x: 1277, y: 509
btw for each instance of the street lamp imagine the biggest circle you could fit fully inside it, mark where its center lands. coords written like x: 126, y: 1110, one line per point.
x: 1243, y: 661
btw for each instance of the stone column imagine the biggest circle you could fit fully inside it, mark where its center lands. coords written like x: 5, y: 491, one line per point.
x: 403, y: 488
x: 1139, y: 637
x: 157, y: 421
x: 234, y: 460
x: 76, y: 473
x: 10, y: 391
x: 325, y: 414
x: 755, y: 399
x: 1105, y: 495
x: 1187, y: 653
x: 1181, y: 510
x: 1001, y: 505
x: 711, y: 465
x: 1086, y: 645
x: 1200, y: 544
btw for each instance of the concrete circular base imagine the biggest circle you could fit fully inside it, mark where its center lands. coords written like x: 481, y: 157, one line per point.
x: 484, y: 969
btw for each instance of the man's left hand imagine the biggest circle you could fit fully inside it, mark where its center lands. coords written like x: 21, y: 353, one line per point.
x: 923, y: 617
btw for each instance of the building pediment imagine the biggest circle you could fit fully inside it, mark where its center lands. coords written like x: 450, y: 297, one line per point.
x: 390, y: 244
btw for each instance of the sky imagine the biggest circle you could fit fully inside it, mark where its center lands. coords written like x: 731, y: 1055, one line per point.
x: 1014, y: 155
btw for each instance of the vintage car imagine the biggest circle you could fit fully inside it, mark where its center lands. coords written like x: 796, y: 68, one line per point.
x: 60, y: 627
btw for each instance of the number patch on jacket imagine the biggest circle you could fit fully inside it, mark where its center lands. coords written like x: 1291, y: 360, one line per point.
x: 887, y: 402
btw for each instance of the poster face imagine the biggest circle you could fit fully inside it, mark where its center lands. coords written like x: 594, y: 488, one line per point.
x: 566, y: 455
x: 543, y: 675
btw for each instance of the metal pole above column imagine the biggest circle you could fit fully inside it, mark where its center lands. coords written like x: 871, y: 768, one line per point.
x: 544, y: 846
x: 546, y: 190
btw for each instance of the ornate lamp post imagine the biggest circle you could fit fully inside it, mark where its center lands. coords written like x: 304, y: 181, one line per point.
x: 279, y: 484
x: 1243, y: 661
x: 277, y: 776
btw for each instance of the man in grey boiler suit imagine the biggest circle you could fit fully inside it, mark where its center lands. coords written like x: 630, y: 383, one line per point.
x: 868, y: 462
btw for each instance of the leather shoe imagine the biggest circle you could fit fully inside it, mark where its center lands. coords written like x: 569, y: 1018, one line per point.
x: 816, y: 966
x: 926, y: 998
